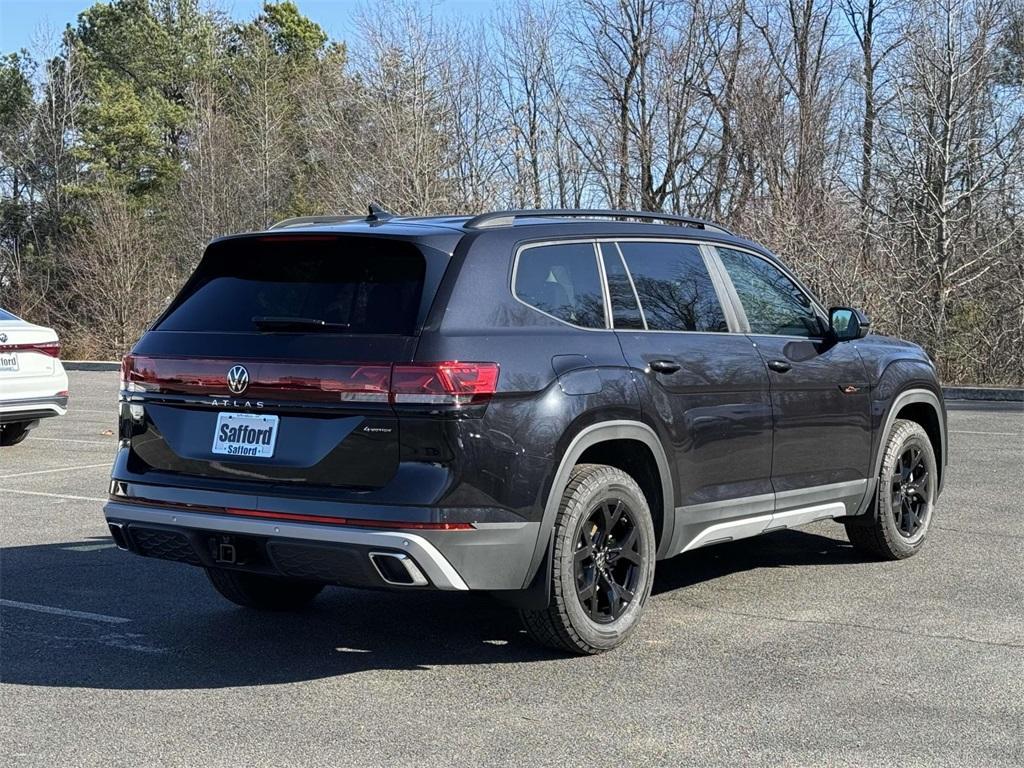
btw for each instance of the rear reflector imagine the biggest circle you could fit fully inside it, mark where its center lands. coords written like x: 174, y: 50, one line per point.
x: 295, y: 517
x: 448, y: 383
x: 353, y: 521
x: 51, y: 348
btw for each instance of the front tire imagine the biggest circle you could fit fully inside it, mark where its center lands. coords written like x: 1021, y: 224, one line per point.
x: 904, y: 503
x: 266, y: 593
x: 12, y: 434
x: 603, y: 564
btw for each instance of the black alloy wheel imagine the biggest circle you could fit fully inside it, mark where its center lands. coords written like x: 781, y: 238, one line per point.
x: 607, y: 560
x: 910, y: 492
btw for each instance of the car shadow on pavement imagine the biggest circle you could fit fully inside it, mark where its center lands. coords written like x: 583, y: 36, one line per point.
x: 780, y: 549
x: 159, y: 625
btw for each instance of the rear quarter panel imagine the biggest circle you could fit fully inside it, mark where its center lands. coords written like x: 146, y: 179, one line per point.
x: 509, y: 456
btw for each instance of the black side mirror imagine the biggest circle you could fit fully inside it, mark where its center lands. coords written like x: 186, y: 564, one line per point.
x: 846, y: 323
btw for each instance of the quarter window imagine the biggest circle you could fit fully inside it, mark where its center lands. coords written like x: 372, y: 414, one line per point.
x: 773, y: 303
x: 674, y: 287
x: 563, y: 281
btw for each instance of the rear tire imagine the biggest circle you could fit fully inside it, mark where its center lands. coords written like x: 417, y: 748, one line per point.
x: 12, y: 434
x: 603, y: 564
x: 901, y: 514
x: 266, y: 593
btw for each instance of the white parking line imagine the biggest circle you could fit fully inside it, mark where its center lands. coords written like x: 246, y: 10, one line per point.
x: 51, y: 495
x: 111, y: 443
x: 64, y: 612
x: 51, y: 471
x: 994, y: 434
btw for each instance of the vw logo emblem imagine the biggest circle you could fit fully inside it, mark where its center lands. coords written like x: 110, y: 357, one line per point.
x: 3, y: 338
x: 238, y: 379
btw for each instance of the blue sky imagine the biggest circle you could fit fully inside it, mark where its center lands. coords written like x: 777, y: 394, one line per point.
x: 21, y: 20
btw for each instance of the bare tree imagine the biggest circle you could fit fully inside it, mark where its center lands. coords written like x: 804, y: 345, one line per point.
x: 616, y: 38
x: 867, y: 20
x: 877, y: 146
x: 948, y: 145
x: 402, y: 155
x: 119, y: 280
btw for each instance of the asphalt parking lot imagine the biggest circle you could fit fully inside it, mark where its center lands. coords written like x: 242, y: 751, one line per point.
x: 786, y: 650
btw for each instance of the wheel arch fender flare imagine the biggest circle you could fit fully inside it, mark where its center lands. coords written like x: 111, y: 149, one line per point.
x: 905, y: 398
x: 620, y: 429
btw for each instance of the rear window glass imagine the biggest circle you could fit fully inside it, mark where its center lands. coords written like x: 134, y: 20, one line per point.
x: 563, y: 281
x: 350, y: 285
x: 675, y: 289
x: 5, y: 315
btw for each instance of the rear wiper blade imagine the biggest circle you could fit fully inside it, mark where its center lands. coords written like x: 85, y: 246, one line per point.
x: 296, y: 323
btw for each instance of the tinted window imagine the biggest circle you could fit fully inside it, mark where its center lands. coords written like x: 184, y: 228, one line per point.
x: 563, y: 281
x: 675, y: 290
x: 356, y: 285
x: 625, y: 310
x: 773, y: 303
x: 5, y: 315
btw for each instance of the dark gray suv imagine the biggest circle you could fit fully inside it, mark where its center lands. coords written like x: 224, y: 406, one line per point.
x: 536, y: 404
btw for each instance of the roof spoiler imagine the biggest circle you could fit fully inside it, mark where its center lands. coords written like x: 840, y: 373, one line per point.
x: 377, y: 213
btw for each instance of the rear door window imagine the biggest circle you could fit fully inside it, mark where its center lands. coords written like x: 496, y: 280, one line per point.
x: 345, y: 285
x: 675, y: 290
x: 562, y: 280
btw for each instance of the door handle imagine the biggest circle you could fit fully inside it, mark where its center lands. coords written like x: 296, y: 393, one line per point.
x: 779, y: 366
x: 664, y: 366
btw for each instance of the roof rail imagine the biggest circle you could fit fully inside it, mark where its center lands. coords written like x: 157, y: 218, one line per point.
x: 298, y: 221
x: 507, y: 218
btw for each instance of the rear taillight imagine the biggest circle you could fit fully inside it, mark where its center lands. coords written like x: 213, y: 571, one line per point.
x: 126, y: 366
x: 451, y: 383
x: 366, y: 384
x: 51, y: 348
x: 448, y: 383
x: 136, y: 376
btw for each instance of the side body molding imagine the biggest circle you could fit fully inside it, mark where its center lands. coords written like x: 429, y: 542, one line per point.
x: 590, y: 436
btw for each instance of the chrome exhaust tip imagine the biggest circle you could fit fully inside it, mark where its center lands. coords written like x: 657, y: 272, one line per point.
x: 117, y: 534
x: 398, y: 569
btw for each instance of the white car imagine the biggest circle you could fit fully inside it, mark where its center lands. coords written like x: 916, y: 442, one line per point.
x: 33, y: 384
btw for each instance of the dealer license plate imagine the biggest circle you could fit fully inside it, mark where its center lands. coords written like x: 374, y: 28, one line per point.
x: 245, y: 434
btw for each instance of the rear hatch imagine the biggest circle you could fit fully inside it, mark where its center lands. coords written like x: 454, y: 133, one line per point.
x: 274, y: 362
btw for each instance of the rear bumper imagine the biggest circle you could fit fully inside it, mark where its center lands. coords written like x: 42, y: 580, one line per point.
x: 490, y: 557
x: 32, y: 408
